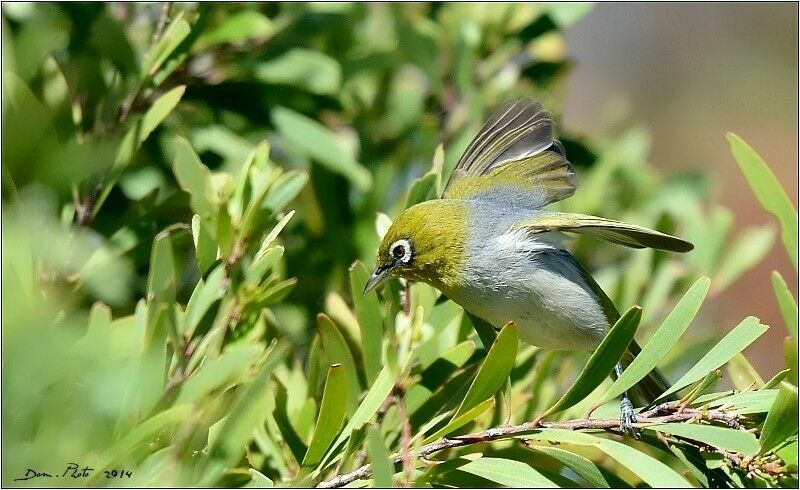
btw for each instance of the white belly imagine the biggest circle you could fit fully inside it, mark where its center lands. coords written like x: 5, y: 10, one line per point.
x: 514, y: 278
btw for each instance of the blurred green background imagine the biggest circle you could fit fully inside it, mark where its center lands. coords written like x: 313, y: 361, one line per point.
x: 155, y: 275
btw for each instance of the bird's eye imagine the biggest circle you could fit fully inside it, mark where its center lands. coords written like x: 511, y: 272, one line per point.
x: 401, y: 251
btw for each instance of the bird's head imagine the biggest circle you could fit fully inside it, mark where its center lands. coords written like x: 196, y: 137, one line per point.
x: 426, y: 243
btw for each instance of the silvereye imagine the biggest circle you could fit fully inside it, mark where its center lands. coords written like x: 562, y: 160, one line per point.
x: 489, y: 245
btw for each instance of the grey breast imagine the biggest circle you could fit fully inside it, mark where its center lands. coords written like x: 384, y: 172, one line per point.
x: 533, y: 281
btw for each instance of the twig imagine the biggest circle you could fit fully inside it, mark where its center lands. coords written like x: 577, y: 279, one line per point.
x: 405, y: 438
x: 166, y: 10
x: 645, y: 418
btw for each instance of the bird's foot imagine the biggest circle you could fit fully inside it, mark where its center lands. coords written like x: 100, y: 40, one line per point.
x: 627, y: 417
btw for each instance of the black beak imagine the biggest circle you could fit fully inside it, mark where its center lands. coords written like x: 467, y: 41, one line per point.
x: 377, y: 278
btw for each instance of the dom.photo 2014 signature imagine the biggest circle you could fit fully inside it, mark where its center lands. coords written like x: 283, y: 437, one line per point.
x: 75, y: 471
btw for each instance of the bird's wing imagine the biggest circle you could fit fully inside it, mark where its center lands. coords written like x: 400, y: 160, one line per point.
x: 613, y: 231
x: 514, y: 156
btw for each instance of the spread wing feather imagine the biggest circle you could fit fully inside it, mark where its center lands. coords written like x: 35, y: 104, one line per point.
x: 613, y: 231
x: 514, y: 155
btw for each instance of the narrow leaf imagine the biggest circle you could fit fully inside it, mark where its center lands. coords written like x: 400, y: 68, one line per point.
x: 650, y: 470
x: 662, y: 340
x: 215, y: 373
x: 461, y: 420
x: 331, y: 415
x: 335, y: 348
x: 370, y: 322
x: 744, y: 253
x: 494, y: 371
x: 204, y: 295
x: 720, y: 437
x: 602, y: 361
x: 423, y: 189
x: 382, y: 467
x: 258, y: 480
x: 736, y: 341
x: 161, y: 281
x: 286, y: 188
x: 366, y: 410
x: 237, y: 428
x: 786, y: 303
x: 768, y: 190
x: 273, y: 234
x: 514, y: 474
x: 194, y: 178
x: 172, y: 37
x: 317, y: 142
x: 584, y: 467
x: 781, y: 421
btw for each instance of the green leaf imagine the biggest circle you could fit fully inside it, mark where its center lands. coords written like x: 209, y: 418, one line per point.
x: 136, y: 135
x: 733, y: 343
x: 145, y: 431
x: 585, y: 468
x: 494, y: 371
x: 382, y: 467
x: 336, y: 350
x: 331, y: 414
x: 250, y: 218
x: 786, y: 303
x: 237, y: 28
x: 258, y: 480
x: 161, y: 108
x: 742, y: 374
x: 423, y: 189
x: 172, y: 37
x: 788, y: 453
x: 161, y: 282
x: 768, y: 190
x: 602, y: 361
x: 462, y: 420
x: 237, y: 428
x: 302, y: 68
x: 775, y: 380
x: 215, y: 373
x: 567, y: 13
x: 155, y: 115
x: 746, y: 402
x: 781, y: 421
x: 514, y: 474
x: 720, y: 437
x: 790, y: 354
x: 194, y: 178
x: 667, y: 335
x: 263, y: 263
x: 205, y: 294
x: 273, y: 234
x: 650, y: 470
x: 744, y: 253
x: 317, y: 142
x: 370, y: 322
x: 205, y: 242
x: 366, y: 410
x: 286, y: 188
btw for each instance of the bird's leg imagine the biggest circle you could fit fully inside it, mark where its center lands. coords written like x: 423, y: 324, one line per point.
x: 627, y: 417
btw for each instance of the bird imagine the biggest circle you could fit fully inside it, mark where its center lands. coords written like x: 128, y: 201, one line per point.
x: 489, y: 244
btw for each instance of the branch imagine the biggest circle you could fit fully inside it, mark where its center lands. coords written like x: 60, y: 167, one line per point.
x: 668, y: 412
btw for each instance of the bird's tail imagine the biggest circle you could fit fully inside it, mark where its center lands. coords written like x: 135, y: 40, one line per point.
x: 645, y: 392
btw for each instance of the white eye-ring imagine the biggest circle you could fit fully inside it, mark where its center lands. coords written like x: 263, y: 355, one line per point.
x: 400, y: 251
